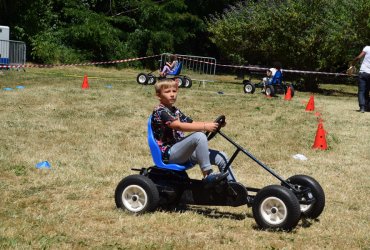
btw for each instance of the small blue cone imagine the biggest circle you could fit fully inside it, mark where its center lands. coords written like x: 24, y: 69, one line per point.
x: 43, y: 164
x: 7, y: 89
x: 108, y: 86
x: 20, y: 87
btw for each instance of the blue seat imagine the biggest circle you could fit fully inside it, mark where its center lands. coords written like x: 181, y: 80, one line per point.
x: 157, y: 154
x: 277, y: 79
x: 176, y: 71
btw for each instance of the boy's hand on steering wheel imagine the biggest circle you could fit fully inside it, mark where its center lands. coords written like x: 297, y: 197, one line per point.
x: 210, y: 126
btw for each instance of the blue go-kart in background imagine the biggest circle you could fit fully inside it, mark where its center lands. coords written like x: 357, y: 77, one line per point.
x: 150, y: 78
x: 275, y: 86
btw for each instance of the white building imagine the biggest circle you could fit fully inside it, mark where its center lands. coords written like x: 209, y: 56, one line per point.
x: 4, y: 45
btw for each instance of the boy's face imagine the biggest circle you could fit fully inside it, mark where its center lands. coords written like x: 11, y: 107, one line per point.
x: 168, y: 96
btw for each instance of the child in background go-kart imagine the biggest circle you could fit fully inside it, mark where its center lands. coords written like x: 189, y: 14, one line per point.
x: 169, y: 66
x: 169, y: 125
x: 270, y: 74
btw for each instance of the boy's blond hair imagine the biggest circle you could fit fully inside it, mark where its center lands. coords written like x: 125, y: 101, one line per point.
x: 164, y: 84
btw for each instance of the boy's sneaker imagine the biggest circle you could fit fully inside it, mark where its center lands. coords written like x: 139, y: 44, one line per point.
x: 214, y: 178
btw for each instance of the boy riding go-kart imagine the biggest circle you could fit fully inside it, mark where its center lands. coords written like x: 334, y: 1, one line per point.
x: 278, y: 206
x: 271, y: 85
x: 171, y: 69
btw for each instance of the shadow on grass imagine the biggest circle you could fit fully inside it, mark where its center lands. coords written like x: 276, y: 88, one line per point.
x: 306, y: 223
x: 213, y: 213
x: 334, y: 92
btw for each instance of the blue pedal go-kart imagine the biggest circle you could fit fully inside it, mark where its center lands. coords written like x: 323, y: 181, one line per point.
x: 151, y: 79
x: 275, y: 86
x: 277, y: 207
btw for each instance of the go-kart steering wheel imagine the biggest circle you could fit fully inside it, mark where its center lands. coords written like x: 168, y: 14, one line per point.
x: 220, y: 120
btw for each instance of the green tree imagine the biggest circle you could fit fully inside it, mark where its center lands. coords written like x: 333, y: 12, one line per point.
x: 320, y: 34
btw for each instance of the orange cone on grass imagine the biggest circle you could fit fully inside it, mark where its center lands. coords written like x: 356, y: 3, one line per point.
x: 288, y: 95
x: 320, y: 138
x: 85, y: 83
x: 311, y: 104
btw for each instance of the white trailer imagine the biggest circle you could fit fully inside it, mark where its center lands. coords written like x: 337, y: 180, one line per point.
x: 4, y: 44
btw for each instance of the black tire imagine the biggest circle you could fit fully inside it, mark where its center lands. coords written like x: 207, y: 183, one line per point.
x: 142, y: 78
x: 291, y: 90
x: 188, y: 82
x: 270, y: 90
x: 276, y: 207
x: 137, y: 194
x: 313, y: 210
x: 249, y: 87
x: 151, y: 79
x: 180, y: 81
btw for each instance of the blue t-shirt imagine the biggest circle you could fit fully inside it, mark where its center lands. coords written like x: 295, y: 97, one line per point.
x: 176, y: 63
x: 165, y: 136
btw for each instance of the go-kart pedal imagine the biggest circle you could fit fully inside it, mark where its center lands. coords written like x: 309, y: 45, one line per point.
x: 214, y: 178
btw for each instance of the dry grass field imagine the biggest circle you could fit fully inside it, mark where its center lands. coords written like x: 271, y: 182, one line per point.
x: 92, y: 138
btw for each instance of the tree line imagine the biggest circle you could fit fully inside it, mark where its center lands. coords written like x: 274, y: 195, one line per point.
x: 96, y: 30
x: 304, y: 34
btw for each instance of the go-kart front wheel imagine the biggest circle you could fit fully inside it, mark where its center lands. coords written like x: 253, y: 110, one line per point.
x: 249, y: 87
x: 142, y: 78
x: 188, y: 82
x: 315, y: 209
x: 137, y: 194
x: 276, y: 207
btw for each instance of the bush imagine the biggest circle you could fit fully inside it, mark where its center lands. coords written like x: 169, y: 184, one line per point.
x: 306, y: 35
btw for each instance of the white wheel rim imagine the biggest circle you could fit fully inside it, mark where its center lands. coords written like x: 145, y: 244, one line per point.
x: 273, y: 210
x: 186, y: 83
x: 268, y: 91
x: 142, y: 79
x: 134, y: 198
x: 179, y: 82
x: 248, y: 88
x: 150, y: 80
x: 304, y: 208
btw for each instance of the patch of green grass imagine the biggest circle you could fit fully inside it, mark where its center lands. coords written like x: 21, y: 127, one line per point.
x: 93, y: 138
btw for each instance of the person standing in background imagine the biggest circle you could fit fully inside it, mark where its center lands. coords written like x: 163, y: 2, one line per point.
x: 363, y: 79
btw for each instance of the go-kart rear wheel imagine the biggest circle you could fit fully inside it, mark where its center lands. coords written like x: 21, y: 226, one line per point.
x: 291, y: 89
x: 276, y: 207
x: 249, y: 87
x: 270, y: 90
x: 180, y: 81
x: 142, y: 78
x: 312, y: 210
x: 137, y: 194
x: 188, y: 82
x: 151, y: 79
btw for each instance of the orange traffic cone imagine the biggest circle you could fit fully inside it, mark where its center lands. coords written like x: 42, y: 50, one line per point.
x: 85, y: 83
x: 288, y: 95
x: 320, y: 139
x: 311, y: 104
